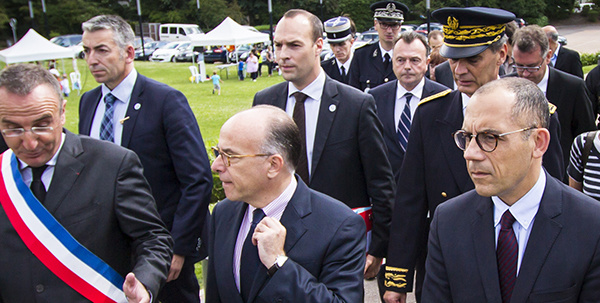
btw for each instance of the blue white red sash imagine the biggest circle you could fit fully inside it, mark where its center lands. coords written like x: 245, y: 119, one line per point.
x: 51, y: 243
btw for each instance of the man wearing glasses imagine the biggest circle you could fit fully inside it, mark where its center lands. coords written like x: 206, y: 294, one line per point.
x: 521, y: 235
x: 371, y: 65
x: 569, y: 93
x: 433, y: 170
x: 274, y: 239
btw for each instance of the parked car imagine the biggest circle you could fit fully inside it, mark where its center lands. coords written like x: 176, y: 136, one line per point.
x: 180, y: 32
x: 579, y: 8
x: 242, y: 52
x: 365, y: 37
x: 168, y: 52
x: 149, y: 49
x: 433, y: 26
x: 326, y: 53
x: 72, y: 42
x: 137, y: 42
x: 407, y: 28
x: 216, y: 54
x: 562, y: 40
x: 187, y: 54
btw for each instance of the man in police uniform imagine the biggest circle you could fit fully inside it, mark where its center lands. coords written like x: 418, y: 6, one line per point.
x: 434, y: 169
x: 371, y: 65
x: 340, y: 36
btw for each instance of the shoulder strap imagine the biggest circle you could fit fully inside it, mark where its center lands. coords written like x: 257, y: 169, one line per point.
x: 587, y: 147
x: 433, y: 97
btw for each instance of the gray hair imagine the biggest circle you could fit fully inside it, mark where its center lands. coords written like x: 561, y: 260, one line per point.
x: 530, y: 108
x: 22, y: 79
x: 497, y: 46
x: 409, y: 37
x: 528, y: 38
x: 122, y: 32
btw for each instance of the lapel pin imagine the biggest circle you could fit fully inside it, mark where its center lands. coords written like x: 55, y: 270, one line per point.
x: 375, y: 53
x: 137, y: 106
x: 332, y: 108
x: 386, y: 80
x: 124, y: 119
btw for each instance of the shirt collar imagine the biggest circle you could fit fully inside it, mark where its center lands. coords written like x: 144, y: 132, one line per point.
x: 383, y: 52
x: 347, y: 64
x: 524, y: 209
x: 557, y: 49
x: 417, y: 91
x: 543, y: 85
x: 122, y: 91
x: 52, y: 161
x: 276, y: 207
x: 314, y: 90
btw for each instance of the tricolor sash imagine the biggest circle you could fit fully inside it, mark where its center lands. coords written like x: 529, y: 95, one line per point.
x: 51, y: 243
x: 367, y: 214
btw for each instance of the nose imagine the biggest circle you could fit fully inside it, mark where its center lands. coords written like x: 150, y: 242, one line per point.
x: 90, y: 57
x: 217, y: 165
x: 30, y: 141
x: 473, y: 152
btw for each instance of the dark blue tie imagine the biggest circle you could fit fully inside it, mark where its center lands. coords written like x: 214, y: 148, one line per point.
x: 404, y: 123
x: 37, y: 186
x: 250, y: 261
x: 106, y: 128
x: 507, y: 252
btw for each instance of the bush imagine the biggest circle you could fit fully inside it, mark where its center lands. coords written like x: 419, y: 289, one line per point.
x: 585, y: 11
x: 592, y: 16
x: 589, y: 59
x: 218, y: 193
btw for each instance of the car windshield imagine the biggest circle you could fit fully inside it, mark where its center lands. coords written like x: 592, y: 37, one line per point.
x: 193, y: 30
x: 172, y: 45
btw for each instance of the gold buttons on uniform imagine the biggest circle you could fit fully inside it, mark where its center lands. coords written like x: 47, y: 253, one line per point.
x: 444, y: 194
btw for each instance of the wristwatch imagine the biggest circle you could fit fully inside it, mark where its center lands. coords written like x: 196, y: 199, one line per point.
x: 277, y: 265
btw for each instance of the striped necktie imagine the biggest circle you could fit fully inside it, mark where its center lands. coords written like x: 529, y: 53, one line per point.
x: 106, y: 128
x: 507, y: 251
x: 404, y: 123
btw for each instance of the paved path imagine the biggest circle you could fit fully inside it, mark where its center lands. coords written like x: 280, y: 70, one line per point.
x: 582, y: 38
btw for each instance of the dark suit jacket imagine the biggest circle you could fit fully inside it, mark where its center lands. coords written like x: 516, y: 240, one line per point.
x: 164, y: 133
x: 349, y: 161
x: 367, y: 69
x: 333, y: 71
x: 592, y: 82
x: 434, y: 170
x: 569, y: 62
x: 385, y: 99
x: 561, y: 262
x: 443, y: 74
x: 574, y: 107
x: 325, y: 243
x: 99, y: 195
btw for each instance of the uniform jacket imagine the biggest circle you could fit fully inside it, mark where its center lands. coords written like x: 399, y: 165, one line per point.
x: 368, y: 70
x: 333, y: 70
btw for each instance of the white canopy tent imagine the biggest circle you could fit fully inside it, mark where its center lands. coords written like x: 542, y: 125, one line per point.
x: 230, y: 32
x: 34, y: 47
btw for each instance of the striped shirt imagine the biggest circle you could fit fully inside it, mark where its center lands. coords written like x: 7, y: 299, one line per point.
x: 590, y: 176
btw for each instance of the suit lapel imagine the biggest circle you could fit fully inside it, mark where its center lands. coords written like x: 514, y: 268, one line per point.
x: 485, y: 249
x: 66, y: 172
x: 87, y: 113
x: 450, y: 123
x: 327, y: 112
x: 136, y: 102
x: 552, y: 90
x: 544, y: 232
x: 387, y: 115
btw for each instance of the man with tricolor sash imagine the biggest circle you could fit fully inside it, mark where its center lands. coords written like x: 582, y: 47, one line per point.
x: 77, y: 220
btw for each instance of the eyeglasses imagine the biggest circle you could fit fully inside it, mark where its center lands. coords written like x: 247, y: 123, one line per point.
x: 218, y: 152
x: 529, y: 69
x: 386, y: 26
x: 486, y: 140
x: 37, y: 130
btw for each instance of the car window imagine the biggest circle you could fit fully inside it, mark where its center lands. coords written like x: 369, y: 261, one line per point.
x: 173, y: 30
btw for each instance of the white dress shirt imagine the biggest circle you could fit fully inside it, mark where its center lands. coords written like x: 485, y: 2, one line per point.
x: 401, y: 100
x: 123, y: 94
x: 543, y: 85
x: 345, y: 65
x: 383, y: 52
x: 524, y: 211
x: 47, y: 174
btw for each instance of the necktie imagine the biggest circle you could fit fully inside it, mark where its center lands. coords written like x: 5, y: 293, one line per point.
x: 344, y: 74
x: 37, y: 186
x: 250, y: 260
x: 299, y: 117
x: 106, y: 128
x: 404, y: 123
x: 386, y: 61
x: 507, y: 252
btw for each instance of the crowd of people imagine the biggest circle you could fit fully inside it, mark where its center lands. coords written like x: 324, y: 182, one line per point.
x: 425, y: 162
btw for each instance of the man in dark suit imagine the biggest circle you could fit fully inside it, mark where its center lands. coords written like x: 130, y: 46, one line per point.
x: 95, y: 193
x: 521, y: 235
x: 155, y: 121
x: 562, y: 58
x: 567, y: 92
x: 410, y: 63
x: 371, y: 65
x: 344, y: 155
x: 274, y: 239
x: 433, y: 170
x: 340, y: 36
x: 592, y: 82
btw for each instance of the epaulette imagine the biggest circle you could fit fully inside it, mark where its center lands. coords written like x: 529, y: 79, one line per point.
x: 552, y: 108
x: 433, y: 97
x: 365, y: 44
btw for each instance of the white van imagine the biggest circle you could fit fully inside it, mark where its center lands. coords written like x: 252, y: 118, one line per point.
x: 180, y: 32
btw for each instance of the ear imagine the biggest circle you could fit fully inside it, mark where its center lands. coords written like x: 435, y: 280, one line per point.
x: 502, y: 53
x: 541, y: 138
x: 276, y: 166
x: 129, y: 53
x: 549, y: 56
x: 319, y: 44
x: 63, y: 112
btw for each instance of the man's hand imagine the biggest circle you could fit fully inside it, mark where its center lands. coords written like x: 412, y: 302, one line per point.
x: 372, y: 266
x: 176, y: 265
x: 269, y: 237
x: 134, y: 290
x: 394, y: 297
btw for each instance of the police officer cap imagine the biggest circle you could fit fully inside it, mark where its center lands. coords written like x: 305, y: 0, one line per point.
x: 338, y: 29
x: 389, y: 11
x: 471, y: 30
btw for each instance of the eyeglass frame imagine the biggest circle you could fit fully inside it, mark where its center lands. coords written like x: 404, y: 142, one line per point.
x: 476, y: 135
x: 34, y: 130
x: 388, y: 25
x: 219, y: 152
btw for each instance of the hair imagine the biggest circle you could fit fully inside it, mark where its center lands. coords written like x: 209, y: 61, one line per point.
x: 409, y: 37
x: 282, y: 136
x: 436, y: 58
x: 526, y: 39
x: 511, y: 28
x: 122, y: 32
x: 435, y: 33
x: 530, y: 108
x: 497, y: 46
x: 22, y: 79
x: 317, y: 25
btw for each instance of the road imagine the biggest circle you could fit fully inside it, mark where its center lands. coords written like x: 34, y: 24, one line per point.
x: 582, y: 38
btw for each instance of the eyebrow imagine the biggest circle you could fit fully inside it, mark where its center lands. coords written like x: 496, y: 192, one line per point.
x: 45, y: 116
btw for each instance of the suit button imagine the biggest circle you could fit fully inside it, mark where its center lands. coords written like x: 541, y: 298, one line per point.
x: 39, y: 288
x: 386, y: 80
x: 444, y: 194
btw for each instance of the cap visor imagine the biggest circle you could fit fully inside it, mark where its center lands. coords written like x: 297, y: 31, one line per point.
x: 451, y: 52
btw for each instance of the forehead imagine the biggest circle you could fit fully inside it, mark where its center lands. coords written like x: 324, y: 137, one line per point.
x: 42, y: 99
x: 416, y: 46
x: 490, y: 110
x: 297, y: 28
x: 98, y: 37
x: 242, y: 133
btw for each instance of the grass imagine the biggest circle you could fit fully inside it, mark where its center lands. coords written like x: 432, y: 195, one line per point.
x: 587, y: 69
